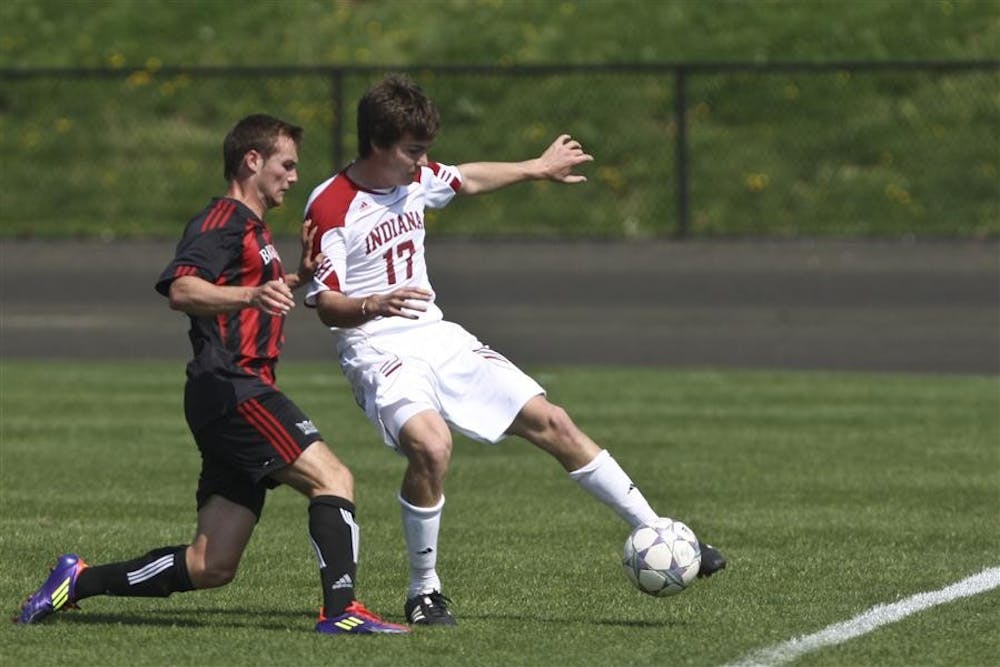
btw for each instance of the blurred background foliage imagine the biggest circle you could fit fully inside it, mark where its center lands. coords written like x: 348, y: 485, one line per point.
x: 843, y: 152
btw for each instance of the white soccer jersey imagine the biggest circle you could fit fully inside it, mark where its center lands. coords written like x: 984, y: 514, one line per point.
x: 374, y: 243
x: 380, y: 236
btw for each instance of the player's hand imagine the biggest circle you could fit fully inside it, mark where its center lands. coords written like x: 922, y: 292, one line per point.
x: 561, y: 157
x: 273, y: 297
x: 308, y: 262
x: 406, y: 302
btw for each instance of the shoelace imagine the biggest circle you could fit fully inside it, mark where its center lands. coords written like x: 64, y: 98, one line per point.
x: 439, y: 604
x: 357, y: 608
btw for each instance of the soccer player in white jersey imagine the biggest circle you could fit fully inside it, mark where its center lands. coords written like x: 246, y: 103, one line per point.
x: 416, y: 375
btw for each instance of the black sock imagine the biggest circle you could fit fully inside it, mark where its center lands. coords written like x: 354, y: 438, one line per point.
x: 335, y: 535
x: 157, y: 574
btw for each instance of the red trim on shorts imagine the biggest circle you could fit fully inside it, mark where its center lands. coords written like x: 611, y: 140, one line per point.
x: 262, y: 420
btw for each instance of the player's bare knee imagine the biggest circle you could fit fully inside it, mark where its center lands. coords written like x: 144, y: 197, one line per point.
x: 319, y: 472
x: 436, y: 454
x: 336, y: 480
x: 429, y: 453
x: 556, y: 427
x: 217, y: 577
x: 335, y: 470
x: 212, y: 575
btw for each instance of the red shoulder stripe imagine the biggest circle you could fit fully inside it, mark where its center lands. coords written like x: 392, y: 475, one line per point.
x: 435, y: 167
x: 218, y: 216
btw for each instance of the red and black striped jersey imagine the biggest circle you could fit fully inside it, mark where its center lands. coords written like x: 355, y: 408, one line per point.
x: 234, y: 353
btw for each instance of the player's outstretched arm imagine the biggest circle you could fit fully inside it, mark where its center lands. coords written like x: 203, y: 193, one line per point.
x: 556, y: 164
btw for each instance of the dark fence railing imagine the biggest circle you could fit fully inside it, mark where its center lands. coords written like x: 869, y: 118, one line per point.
x: 796, y: 148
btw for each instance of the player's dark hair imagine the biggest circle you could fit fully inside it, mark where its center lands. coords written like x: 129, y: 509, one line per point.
x: 258, y: 132
x: 391, y: 108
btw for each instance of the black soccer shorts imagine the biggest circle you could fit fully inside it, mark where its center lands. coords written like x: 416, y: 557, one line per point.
x: 241, y: 450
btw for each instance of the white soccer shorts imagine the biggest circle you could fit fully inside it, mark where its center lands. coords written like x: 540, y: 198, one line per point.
x: 438, y: 366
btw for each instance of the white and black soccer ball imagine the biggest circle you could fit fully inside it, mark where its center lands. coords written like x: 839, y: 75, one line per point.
x: 662, y: 558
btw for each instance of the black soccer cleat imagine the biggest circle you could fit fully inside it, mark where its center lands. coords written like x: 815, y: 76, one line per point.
x: 429, y: 609
x: 712, y: 560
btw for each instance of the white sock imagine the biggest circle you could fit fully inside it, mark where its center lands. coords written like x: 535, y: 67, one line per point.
x: 604, y: 479
x: 420, y: 528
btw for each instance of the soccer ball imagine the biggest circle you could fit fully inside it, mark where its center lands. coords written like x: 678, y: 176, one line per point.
x: 661, y: 558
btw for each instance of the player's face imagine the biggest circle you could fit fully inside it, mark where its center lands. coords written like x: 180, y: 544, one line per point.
x: 402, y: 160
x: 279, y: 172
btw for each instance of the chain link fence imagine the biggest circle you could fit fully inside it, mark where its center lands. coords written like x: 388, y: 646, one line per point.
x: 682, y: 150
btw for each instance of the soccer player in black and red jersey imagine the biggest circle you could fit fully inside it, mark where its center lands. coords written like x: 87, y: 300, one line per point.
x: 228, y: 278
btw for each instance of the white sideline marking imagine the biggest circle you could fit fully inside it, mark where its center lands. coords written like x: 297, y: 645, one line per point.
x: 870, y: 620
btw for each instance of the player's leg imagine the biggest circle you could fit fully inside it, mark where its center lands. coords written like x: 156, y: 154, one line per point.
x: 399, y: 397
x: 425, y: 440
x: 224, y: 528
x: 158, y: 573
x: 333, y: 530
x: 210, y: 561
x: 549, y: 427
x: 223, y: 531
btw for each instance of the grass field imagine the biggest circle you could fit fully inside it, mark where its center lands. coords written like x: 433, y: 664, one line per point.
x: 830, y: 493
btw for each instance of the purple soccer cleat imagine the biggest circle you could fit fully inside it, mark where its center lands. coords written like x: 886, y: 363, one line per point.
x: 56, y: 593
x: 356, y: 620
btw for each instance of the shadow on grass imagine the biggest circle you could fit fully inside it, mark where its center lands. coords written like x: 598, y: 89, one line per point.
x: 582, y: 620
x: 270, y: 619
x: 196, y: 617
x: 624, y: 623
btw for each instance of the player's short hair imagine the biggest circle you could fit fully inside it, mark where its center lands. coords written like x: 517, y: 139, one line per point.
x: 257, y: 132
x: 392, y: 108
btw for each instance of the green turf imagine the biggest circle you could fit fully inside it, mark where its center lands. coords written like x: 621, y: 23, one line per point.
x: 830, y: 493
x: 830, y: 153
